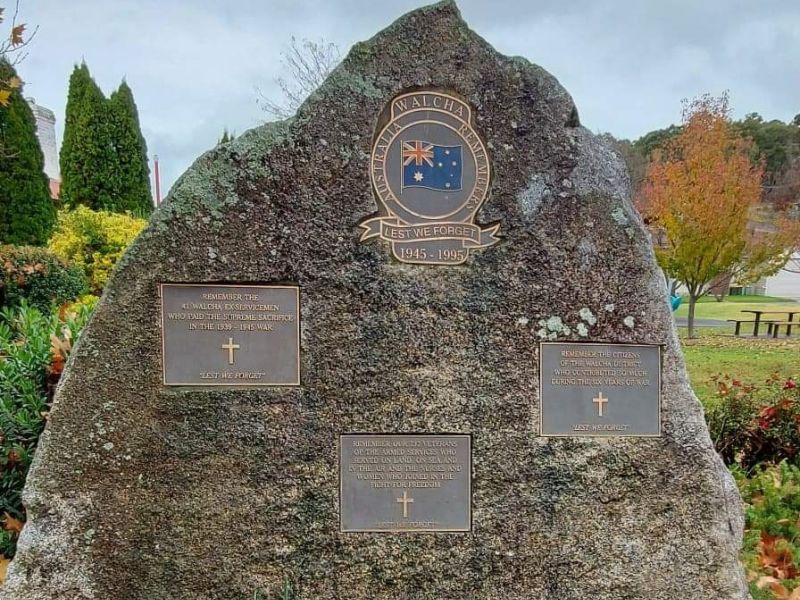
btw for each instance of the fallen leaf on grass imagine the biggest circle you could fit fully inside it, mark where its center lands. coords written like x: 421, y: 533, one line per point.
x: 11, y: 524
x: 57, y: 366
x: 778, y: 591
x: 777, y: 560
x: 59, y: 347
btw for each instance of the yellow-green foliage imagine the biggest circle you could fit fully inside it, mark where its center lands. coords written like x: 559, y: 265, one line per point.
x: 94, y: 241
x: 87, y: 302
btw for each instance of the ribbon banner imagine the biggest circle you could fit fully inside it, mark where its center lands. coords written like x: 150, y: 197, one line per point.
x: 393, y: 230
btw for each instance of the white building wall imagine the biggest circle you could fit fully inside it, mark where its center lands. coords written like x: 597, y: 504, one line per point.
x: 46, y: 132
x: 786, y: 283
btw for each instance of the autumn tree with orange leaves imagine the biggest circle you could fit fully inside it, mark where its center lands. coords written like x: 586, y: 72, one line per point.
x: 701, y: 199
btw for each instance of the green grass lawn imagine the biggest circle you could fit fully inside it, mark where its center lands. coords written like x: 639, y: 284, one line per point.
x: 731, y: 307
x: 716, y: 351
x: 734, y: 299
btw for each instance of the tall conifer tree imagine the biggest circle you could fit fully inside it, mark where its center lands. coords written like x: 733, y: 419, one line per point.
x: 27, y: 213
x: 70, y: 162
x: 85, y: 151
x: 133, y: 173
x: 103, y: 157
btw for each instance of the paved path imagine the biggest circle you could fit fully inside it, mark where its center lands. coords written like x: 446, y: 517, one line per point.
x: 684, y: 322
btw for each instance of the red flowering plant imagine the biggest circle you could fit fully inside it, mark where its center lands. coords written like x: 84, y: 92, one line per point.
x: 754, y: 423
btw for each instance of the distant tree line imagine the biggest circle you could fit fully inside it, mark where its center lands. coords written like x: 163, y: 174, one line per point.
x: 775, y: 143
x: 227, y: 136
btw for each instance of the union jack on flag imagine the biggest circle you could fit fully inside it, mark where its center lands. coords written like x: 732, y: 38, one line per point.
x: 430, y: 166
x: 417, y: 152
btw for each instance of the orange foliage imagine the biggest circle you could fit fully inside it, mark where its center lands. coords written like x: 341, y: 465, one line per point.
x: 12, y: 524
x: 16, y: 35
x: 776, y: 558
x: 699, y: 191
x: 700, y: 197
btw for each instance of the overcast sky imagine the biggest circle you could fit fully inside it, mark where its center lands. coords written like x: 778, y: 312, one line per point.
x: 195, y: 66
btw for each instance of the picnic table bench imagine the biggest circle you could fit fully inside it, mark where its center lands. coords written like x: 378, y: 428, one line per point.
x: 773, y: 325
x: 739, y: 322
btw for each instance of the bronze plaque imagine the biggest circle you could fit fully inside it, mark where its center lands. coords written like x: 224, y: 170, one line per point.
x: 216, y: 334
x: 430, y: 175
x: 594, y: 389
x: 405, y: 482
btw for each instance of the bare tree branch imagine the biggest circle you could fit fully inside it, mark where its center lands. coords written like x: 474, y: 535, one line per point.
x: 11, y: 49
x: 307, y: 64
x: 792, y: 265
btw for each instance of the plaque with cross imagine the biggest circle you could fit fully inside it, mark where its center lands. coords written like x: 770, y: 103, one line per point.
x: 405, y: 482
x: 238, y: 335
x: 599, y: 389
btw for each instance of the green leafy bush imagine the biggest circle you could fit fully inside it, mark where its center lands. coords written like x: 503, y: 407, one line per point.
x: 94, y: 241
x: 33, y: 349
x: 771, y: 549
x: 38, y: 276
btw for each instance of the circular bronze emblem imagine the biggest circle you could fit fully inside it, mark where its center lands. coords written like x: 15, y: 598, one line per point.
x: 430, y: 174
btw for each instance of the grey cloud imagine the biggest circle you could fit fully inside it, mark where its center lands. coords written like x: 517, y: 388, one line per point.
x: 194, y: 66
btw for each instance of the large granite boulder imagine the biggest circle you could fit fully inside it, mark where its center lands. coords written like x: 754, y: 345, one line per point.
x: 142, y: 491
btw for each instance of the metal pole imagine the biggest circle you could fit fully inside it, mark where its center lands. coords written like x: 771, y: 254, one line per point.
x: 157, y: 176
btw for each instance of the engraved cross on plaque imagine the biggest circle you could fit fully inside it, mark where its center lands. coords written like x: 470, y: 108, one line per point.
x: 600, y: 401
x: 405, y: 500
x: 231, y: 348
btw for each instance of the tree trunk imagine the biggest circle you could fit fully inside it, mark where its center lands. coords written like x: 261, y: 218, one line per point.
x: 720, y: 286
x: 692, y: 302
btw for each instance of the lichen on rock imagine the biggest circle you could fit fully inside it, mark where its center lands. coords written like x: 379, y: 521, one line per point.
x: 587, y: 315
x: 552, y: 327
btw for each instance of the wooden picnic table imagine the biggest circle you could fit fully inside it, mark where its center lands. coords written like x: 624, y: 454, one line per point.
x: 789, y: 319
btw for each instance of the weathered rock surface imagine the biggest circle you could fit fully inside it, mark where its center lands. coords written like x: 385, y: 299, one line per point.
x: 143, y: 492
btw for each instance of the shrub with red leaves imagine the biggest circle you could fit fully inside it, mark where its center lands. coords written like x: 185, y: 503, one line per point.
x: 754, y: 423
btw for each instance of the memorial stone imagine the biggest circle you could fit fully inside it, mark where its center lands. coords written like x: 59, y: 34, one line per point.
x: 427, y: 297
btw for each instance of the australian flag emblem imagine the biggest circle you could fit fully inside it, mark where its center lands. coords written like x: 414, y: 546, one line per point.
x: 430, y: 166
